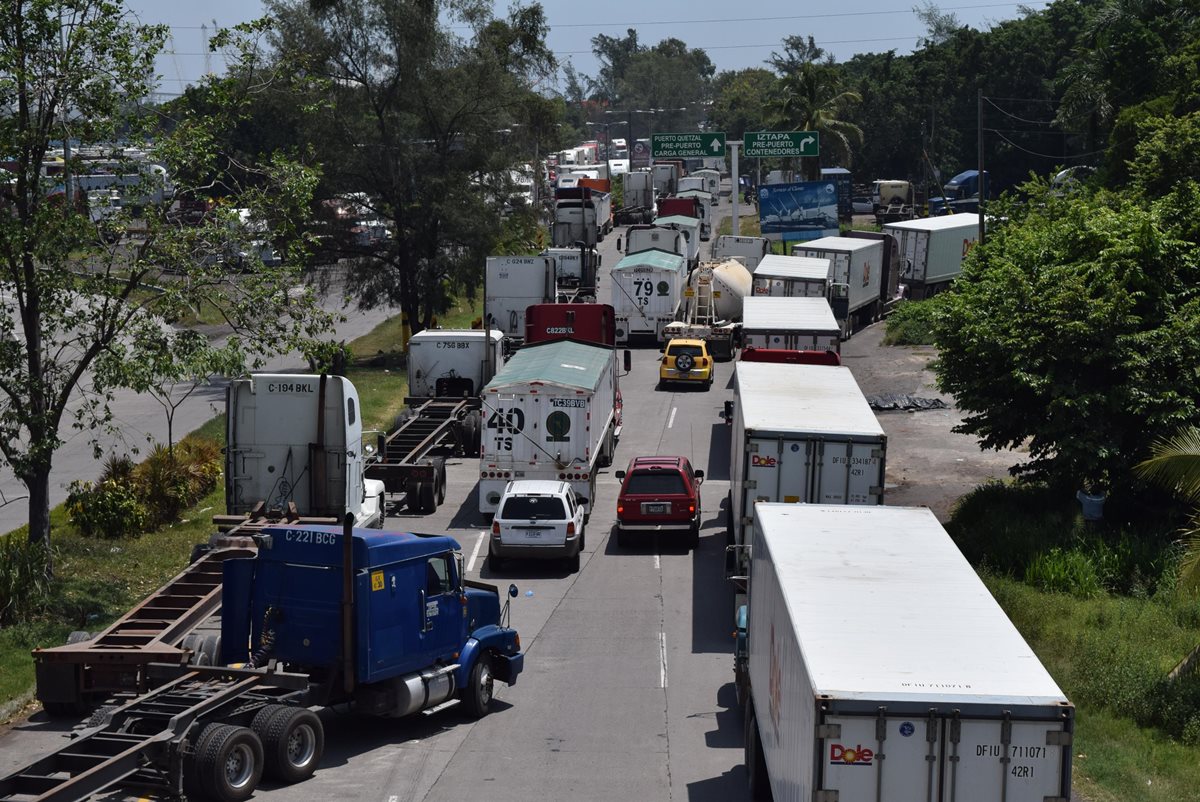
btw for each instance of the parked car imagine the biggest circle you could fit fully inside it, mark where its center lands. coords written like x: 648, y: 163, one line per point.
x: 686, y: 361
x: 862, y: 205
x: 537, y: 519
x: 659, y: 494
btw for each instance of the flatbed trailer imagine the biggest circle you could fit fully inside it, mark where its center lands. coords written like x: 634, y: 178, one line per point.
x: 411, y: 459
x: 73, y: 678
x: 165, y: 740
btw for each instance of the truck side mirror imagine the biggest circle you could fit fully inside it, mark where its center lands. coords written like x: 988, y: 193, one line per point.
x: 727, y: 413
x: 627, y: 358
x: 700, y: 476
x: 619, y: 474
x: 618, y: 244
x: 512, y: 591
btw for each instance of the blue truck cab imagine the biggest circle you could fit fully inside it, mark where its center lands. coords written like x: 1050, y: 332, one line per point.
x: 420, y: 636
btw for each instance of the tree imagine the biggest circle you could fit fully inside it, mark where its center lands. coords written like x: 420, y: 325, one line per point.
x: 416, y: 119
x: 1075, y: 332
x: 673, y: 80
x: 614, y: 54
x: 813, y: 99
x: 742, y: 101
x: 78, y: 304
x: 797, y: 51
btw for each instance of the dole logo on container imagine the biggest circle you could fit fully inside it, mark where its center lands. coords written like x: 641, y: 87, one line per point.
x: 855, y: 755
x: 757, y: 461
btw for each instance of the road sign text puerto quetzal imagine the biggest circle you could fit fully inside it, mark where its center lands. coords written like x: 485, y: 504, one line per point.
x: 670, y: 146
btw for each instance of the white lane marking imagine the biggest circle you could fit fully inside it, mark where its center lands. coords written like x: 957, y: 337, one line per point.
x: 671, y: 420
x: 475, y: 551
x: 662, y: 659
x: 657, y: 564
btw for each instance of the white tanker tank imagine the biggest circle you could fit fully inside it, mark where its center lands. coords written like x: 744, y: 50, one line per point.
x: 715, y: 292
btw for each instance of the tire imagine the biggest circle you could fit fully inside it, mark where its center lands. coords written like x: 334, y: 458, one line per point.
x: 684, y: 362
x: 79, y: 636
x: 412, y: 496
x: 693, y: 536
x: 101, y: 716
x: 441, y: 481
x: 756, y: 764
x: 65, y: 709
x: 573, y: 562
x: 427, y: 497
x: 401, y: 417
x: 228, y: 763
x: 477, y: 696
x: 293, y: 740
x: 494, y: 563
x: 622, y: 538
x: 210, y: 648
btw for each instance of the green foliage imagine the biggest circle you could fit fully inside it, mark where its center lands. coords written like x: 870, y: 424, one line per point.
x: 742, y: 101
x: 107, y: 509
x: 1168, y: 151
x: 1074, y: 332
x: 168, y: 481
x: 913, y: 322
x: 1058, y: 571
x: 24, y: 585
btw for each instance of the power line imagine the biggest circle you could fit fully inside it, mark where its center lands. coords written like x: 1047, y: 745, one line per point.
x: 1015, y: 117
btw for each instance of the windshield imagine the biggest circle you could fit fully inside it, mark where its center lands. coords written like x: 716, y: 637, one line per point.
x: 657, y: 483
x: 536, y: 508
x: 680, y: 350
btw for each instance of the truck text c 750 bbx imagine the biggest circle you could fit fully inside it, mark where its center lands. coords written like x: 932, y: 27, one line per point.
x: 880, y: 668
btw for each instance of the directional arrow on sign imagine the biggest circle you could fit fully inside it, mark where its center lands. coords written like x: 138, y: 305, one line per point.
x: 808, y: 140
x: 717, y: 146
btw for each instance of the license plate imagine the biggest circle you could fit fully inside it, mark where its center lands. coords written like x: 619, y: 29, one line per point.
x: 656, y: 509
x: 531, y: 534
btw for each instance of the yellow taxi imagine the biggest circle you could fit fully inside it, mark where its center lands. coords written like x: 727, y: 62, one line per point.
x: 686, y: 361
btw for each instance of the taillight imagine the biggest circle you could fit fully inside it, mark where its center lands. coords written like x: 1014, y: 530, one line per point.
x: 702, y: 362
x: 620, y: 509
x: 570, y: 528
x: 691, y: 508
x: 495, y: 527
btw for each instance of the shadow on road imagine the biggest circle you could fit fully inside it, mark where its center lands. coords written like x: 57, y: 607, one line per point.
x: 718, y: 452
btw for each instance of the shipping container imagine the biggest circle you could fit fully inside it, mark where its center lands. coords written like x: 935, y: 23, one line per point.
x: 647, y: 288
x: 747, y: 250
x: 453, y: 363
x: 712, y: 182
x: 870, y: 636
x: 798, y: 324
x: 705, y: 210
x: 512, y: 283
x: 652, y: 238
x: 690, y: 226
x: 590, y: 322
x: 552, y: 412
x: 931, y: 250
x: 856, y: 272
x: 792, y: 277
x: 801, y: 434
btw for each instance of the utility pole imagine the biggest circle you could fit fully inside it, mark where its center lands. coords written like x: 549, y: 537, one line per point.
x: 982, y: 181
x: 735, y: 179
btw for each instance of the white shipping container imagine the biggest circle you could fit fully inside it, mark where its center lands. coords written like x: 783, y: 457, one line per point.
x: 690, y: 228
x: 550, y: 413
x: 931, y: 250
x: 802, y: 324
x: 513, y: 283
x: 454, y: 357
x: 691, y: 182
x: 856, y: 272
x: 712, y: 181
x: 647, y: 288
x: 706, y: 212
x: 638, y: 188
x: 575, y: 221
x: 748, y: 250
x: 792, y: 277
x: 652, y: 238
x: 801, y: 434
x: 871, y: 637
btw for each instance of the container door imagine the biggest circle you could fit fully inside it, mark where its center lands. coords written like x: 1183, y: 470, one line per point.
x: 633, y: 291
x: 921, y: 254
x: 869, y: 759
x: 812, y: 289
x: 909, y: 249
x: 505, y: 422
x: 1031, y: 771
x: 562, y: 432
x: 848, y: 473
x: 779, y: 470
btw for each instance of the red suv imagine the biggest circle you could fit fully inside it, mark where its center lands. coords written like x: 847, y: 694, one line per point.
x: 659, y: 494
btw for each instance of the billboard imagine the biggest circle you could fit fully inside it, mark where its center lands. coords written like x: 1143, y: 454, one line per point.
x: 801, y: 211
x: 639, y: 157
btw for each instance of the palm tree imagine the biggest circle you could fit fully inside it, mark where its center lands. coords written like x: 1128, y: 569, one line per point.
x: 1174, y: 464
x: 814, y: 100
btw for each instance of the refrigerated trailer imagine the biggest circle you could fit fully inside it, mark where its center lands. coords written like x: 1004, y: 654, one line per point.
x: 798, y: 324
x: 801, y: 434
x: 881, y: 668
x: 855, y: 273
x: 747, y: 250
x: 791, y: 277
x: 512, y: 283
x: 931, y: 250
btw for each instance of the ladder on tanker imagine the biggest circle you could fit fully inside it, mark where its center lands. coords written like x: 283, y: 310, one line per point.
x: 703, y: 312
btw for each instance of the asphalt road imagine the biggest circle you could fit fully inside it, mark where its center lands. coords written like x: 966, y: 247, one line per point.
x: 141, y: 420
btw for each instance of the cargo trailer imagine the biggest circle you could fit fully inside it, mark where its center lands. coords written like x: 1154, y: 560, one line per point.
x: 856, y: 272
x: 747, y: 250
x: 798, y: 324
x: 931, y: 250
x: 512, y: 283
x: 647, y: 288
x: 791, y: 277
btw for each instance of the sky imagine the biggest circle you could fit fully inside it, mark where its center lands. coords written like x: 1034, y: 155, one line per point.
x: 734, y: 38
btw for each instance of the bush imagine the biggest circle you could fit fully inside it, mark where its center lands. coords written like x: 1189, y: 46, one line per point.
x: 107, y: 509
x: 168, y: 482
x: 913, y: 322
x: 24, y: 583
x: 1059, y: 571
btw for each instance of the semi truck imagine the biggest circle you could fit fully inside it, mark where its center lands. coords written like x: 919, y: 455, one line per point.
x: 691, y: 227
x: 589, y: 322
x: 554, y: 413
x: 704, y: 211
x: 855, y: 275
x: 666, y: 175
x: 875, y: 665
x: 795, y: 324
x: 638, y: 198
x: 313, y: 616
x: 712, y: 307
x: 792, y: 277
x: 581, y: 215
x: 712, y: 182
x: 801, y: 434
x: 747, y: 250
x: 575, y: 272
x: 647, y: 289
x: 892, y: 200
x: 931, y: 250
x: 647, y: 238
x: 512, y: 283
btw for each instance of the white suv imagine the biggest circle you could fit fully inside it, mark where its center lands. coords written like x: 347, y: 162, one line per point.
x: 538, y: 519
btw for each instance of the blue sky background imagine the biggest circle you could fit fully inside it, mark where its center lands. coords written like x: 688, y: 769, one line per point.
x: 736, y: 35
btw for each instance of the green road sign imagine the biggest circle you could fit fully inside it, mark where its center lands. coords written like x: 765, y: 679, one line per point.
x: 683, y: 146
x: 783, y: 144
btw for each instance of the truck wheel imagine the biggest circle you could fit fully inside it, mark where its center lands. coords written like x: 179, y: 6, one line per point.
x: 79, y: 636
x: 441, y: 481
x: 573, y: 562
x: 101, y: 716
x: 477, y: 696
x: 293, y: 740
x: 694, y: 533
x: 427, y: 497
x: 228, y: 762
x: 412, y: 494
x: 756, y: 764
x: 401, y: 418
